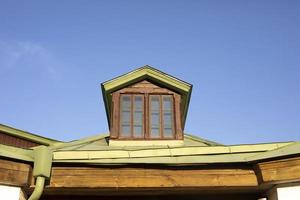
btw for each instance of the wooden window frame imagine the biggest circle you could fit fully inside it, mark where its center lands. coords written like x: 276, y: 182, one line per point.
x: 161, y: 116
x: 146, y: 93
x: 132, y: 111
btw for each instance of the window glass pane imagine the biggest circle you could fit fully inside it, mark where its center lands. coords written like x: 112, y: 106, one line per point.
x: 155, y: 120
x: 155, y: 104
x: 125, y: 116
x: 155, y: 117
x: 138, y: 116
x: 168, y: 119
x: 137, y: 129
x: 167, y: 106
x: 125, y: 130
x: 155, y: 133
x: 168, y: 133
x: 138, y: 103
x: 126, y: 103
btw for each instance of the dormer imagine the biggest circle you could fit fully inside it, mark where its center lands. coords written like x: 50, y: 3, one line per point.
x: 146, y: 107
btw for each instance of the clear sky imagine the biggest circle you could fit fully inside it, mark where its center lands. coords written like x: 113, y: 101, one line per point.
x: 242, y: 57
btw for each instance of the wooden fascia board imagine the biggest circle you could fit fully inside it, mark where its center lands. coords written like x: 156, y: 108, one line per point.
x: 110, y: 177
x: 15, y: 173
x: 279, y: 171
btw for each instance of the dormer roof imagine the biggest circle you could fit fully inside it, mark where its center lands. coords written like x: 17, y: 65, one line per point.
x: 155, y: 76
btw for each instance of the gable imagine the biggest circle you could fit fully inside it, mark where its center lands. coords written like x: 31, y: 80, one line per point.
x: 152, y: 75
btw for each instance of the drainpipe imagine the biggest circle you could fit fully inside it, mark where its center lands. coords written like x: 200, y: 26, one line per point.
x: 41, y: 170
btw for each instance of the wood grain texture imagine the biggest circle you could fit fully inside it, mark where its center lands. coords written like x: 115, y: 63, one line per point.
x: 14, y: 173
x: 92, y: 177
x: 280, y: 171
x: 16, y: 141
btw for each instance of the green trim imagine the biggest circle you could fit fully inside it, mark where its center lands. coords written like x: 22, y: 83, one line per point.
x: 192, y: 160
x: 26, y: 135
x: 167, y: 153
x: 199, y: 139
x: 16, y: 153
x: 147, y: 72
x: 286, y: 150
x: 42, y: 161
x: 83, y: 141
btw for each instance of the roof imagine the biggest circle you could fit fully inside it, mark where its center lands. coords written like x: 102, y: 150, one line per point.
x: 155, y: 76
x: 196, y: 151
x: 95, y: 150
x: 26, y: 135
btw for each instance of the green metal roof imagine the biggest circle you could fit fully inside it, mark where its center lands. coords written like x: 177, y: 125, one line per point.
x: 152, y: 74
x: 96, y: 150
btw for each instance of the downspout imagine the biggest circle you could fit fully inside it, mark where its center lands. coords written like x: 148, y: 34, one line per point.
x: 41, y: 170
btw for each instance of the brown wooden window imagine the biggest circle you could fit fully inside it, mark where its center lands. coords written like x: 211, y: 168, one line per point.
x: 161, y: 116
x: 153, y: 120
x: 146, y: 111
x: 132, y: 116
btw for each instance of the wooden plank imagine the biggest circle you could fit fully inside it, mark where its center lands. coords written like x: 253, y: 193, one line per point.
x: 14, y: 173
x: 16, y: 141
x: 149, y: 178
x: 92, y: 194
x: 280, y: 171
x: 143, y: 84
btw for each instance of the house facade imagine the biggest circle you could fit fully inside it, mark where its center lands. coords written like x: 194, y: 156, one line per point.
x: 146, y: 154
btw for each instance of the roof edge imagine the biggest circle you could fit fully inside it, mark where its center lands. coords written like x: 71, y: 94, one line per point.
x: 27, y: 135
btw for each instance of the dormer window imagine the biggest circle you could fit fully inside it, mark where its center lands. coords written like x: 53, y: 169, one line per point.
x: 145, y: 111
x: 146, y: 105
x: 156, y: 123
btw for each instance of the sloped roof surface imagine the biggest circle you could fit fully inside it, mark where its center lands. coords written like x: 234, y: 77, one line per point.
x: 95, y: 150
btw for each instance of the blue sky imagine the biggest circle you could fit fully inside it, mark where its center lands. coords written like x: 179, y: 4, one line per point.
x: 242, y: 57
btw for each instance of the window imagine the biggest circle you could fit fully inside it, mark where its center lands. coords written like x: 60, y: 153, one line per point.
x: 132, y: 110
x: 161, y: 116
x: 146, y: 111
x: 160, y: 119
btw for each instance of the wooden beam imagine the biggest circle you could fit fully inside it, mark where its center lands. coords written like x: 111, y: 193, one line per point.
x: 280, y: 171
x: 93, y: 177
x: 14, y: 173
x: 142, y: 193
